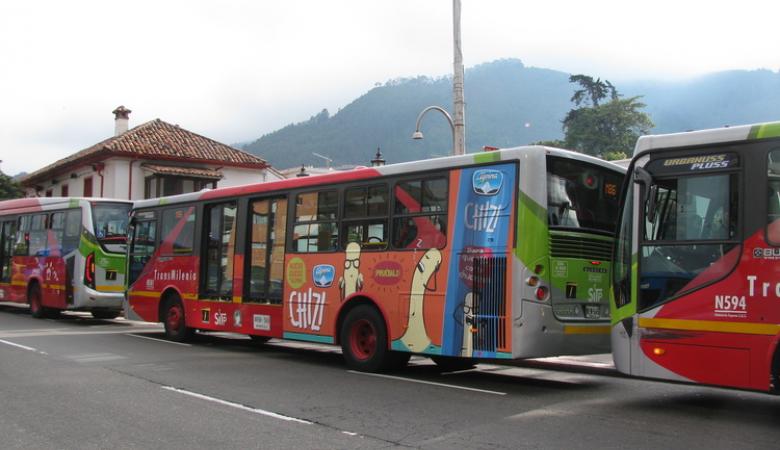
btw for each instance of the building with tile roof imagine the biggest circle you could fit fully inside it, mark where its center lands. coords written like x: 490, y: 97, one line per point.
x: 154, y: 159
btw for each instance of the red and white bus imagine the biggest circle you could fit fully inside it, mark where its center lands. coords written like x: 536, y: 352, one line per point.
x: 64, y: 254
x: 696, y: 275
x: 502, y: 254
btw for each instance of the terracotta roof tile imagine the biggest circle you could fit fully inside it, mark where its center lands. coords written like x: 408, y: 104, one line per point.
x: 155, y: 140
x: 182, y: 171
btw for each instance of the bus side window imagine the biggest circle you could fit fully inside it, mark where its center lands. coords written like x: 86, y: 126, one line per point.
x: 22, y: 245
x: 37, y: 236
x: 56, y: 232
x: 316, y: 228
x: 178, y: 231
x: 72, y: 235
x: 773, y: 198
x: 365, y: 217
x: 420, y: 214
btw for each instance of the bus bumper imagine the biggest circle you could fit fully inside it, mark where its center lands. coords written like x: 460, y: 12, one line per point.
x: 537, y: 333
x: 88, y: 298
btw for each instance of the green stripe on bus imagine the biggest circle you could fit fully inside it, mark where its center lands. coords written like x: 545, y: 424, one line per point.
x: 308, y: 337
x: 531, y: 222
x: 487, y: 157
x: 764, y: 131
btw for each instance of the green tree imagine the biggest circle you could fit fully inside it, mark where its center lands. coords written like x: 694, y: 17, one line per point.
x: 592, y: 90
x: 9, y: 188
x: 612, y: 156
x: 601, y: 128
x: 551, y: 143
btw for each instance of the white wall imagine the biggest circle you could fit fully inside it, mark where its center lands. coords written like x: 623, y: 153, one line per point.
x: 116, y: 179
x: 234, y: 176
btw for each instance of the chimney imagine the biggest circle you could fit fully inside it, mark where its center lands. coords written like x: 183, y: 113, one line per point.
x: 121, y: 119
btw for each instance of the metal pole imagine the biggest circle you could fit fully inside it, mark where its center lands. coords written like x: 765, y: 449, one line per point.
x: 459, y: 146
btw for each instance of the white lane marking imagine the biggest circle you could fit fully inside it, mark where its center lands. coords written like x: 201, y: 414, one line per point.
x: 432, y: 383
x: 236, y: 405
x: 95, y: 357
x: 159, y: 340
x: 63, y: 332
x: 23, y: 347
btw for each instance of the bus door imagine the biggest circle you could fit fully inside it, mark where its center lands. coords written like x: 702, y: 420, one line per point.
x: 623, y: 294
x: 264, y: 263
x: 7, y: 237
x: 688, y: 248
x: 55, y: 274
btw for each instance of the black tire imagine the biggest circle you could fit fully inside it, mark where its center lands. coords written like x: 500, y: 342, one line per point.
x: 364, y: 340
x: 105, y: 314
x: 452, y: 363
x: 173, y: 317
x: 398, y: 360
x: 35, y: 299
x: 259, y: 340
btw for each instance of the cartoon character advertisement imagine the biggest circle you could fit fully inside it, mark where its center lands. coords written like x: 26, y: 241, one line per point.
x: 415, y: 288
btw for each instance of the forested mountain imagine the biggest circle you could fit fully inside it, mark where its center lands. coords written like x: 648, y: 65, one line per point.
x: 507, y: 104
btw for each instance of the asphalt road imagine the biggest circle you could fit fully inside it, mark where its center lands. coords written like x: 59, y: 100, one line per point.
x: 76, y: 382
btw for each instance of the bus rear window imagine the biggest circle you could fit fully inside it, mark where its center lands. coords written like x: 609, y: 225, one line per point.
x: 110, y: 220
x: 582, y: 195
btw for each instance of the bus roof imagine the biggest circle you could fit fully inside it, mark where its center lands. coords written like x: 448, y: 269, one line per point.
x: 31, y: 204
x: 711, y: 136
x: 364, y: 173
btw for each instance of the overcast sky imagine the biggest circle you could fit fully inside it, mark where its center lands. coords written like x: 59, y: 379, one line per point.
x: 235, y: 70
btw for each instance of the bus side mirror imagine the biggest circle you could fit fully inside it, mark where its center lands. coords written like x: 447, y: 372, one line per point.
x: 643, y: 177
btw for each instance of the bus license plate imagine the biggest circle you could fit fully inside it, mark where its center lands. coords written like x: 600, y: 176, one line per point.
x: 592, y: 311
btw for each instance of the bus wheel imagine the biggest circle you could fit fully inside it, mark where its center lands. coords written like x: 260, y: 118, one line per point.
x: 36, y: 302
x: 452, y: 364
x: 364, y: 340
x: 104, y: 314
x: 176, y: 328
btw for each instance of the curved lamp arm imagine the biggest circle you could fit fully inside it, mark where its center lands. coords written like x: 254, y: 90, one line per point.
x: 418, y: 134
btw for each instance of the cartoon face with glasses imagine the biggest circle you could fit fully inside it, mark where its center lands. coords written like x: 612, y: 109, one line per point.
x: 352, y: 280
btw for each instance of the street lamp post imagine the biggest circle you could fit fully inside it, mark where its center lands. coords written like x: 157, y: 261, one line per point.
x: 459, y: 104
x: 458, y: 125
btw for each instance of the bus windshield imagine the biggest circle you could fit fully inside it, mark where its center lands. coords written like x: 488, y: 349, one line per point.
x: 582, y: 195
x: 111, y: 225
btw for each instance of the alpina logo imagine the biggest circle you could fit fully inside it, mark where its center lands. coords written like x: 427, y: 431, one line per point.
x: 323, y: 275
x: 487, y: 181
x: 387, y: 273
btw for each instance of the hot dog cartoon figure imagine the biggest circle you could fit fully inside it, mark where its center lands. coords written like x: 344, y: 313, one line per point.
x: 352, y: 280
x: 415, y: 338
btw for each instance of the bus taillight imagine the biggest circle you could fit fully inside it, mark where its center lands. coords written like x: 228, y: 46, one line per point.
x: 542, y: 293
x: 89, y: 271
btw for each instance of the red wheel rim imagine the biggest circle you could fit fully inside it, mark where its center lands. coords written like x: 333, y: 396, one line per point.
x: 362, y: 339
x: 175, y: 316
